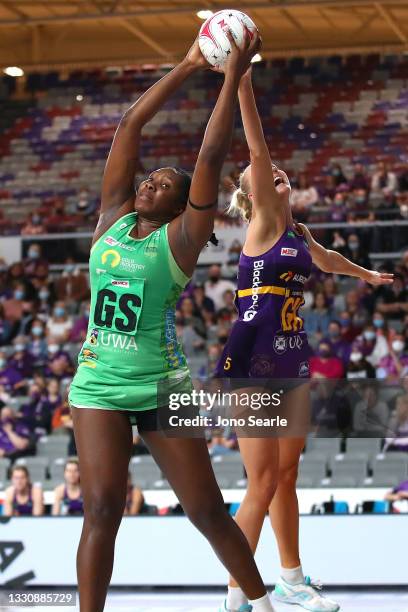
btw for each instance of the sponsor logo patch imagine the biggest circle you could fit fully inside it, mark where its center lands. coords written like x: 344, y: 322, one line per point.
x: 288, y: 252
x: 120, y: 283
x: 288, y: 276
x: 88, y: 354
x: 111, y: 257
x: 249, y: 315
x: 280, y: 344
x: 111, y: 241
x: 304, y: 368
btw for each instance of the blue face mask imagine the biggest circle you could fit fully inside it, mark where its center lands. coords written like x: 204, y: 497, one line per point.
x: 19, y: 348
x: 33, y: 254
x: 378, y: 323
x: 18, y: 294
x: 59, y: 311
x: 336, y: 172
x: 43, y: 295
x: 69, y: 268
x: 37, y: 331
x: 345, y: 322
x: 369, y: 335
x: 2, y: 363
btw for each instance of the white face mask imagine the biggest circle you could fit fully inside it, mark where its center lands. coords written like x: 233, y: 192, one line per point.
x: 355, y: 357
x: 397, y: 346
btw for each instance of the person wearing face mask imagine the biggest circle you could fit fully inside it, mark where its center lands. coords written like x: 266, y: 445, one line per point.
x: 394, y: 366
x: 202, y: 301
x: 37, y: 412
x: 355, y: 252
x: 21, y: 359
x: 348, y: 331
x: 358, y: 367
x: 59, y: 364
x: 341, y: 348
x: 59, y: 325
x: 325, y: 364
x: 360, y: 179
x: 37, y: 346
x: 338, y: 175
x: 215, y: 286
x: 34, y: 262
x: 72, y: 286
x: 10, y: 379
x: 34, y: 226
x: 373, y: 345
x: 338, y: 210
x: 14, y: 307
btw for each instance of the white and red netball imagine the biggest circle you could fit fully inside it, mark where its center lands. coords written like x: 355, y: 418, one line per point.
x: 213, y: 41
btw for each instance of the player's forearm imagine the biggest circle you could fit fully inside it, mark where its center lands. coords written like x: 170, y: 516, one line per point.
x: 144, y: 109
x: 217, y: 138
x: 338, y: 264
x: 250, y: 118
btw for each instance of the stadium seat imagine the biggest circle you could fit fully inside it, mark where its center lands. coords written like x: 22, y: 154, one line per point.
x: 305, y: 481
x: 57, y: 469
x: 391, y: 463
x: 341, y: 481
x: 385, y: 479
x: 331, y: 446
x: 228, y: 470
x: 144, y: 471
x: 371, y: 446
x: 315, y: 469
x: 355, y: 468
x: 37, y: 467
x: 53, y: 446
x: 4, y: 467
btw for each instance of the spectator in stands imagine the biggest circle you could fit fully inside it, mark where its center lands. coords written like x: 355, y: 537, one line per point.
x: 15, y: 437
x: 59, y: 364
x: 221, y: 444
x: 303, y: 197
x: 33, y: 226
x: 399, y: 426
x: 134, y: 499
x: 80, y: 325
x: 68, y: 496
x: 384, y: 181
x: 357, y: 210
x: 62, y: 423
x: 328, y: 191
x: 224, y: 195
x: 59, y: 325
x: 5, y: 327
x: 337, y: 172
x: 201, y: 301
x: 215, y: 285
x: 338, y: 208
x: 325, y: 364
x: 394, y: 366
x: 358, y: 367
x: 371, y: 415
x: 23, y: 498
x: 37, y: 345
x: 341, y: 348
x: 16, y: 306
x: 234, y: 253
x: 45, y: 300
x: 359, y: 180
x: 58, y: 216
x: 72, y: 285
x: 188, y: 315
x: 399, y: 497
x: 335, y: 300
x: 355, y: 252
x: 21, y: 359
x: 10, y: 378
x: 318, y: 318
x: 348, y: 331
x: 372, y: 344
x: 34, y: 264
x: 37, y: 412
x: 228, y: 310
x: 393, y: 300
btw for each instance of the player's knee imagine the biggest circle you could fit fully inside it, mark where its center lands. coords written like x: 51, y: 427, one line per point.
x: 288, y: 475
x: 208, y: 516
x: 262, y: 488
x: 103, y: 510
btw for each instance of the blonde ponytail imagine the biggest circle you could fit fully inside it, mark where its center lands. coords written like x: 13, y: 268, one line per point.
x: 241, y: 204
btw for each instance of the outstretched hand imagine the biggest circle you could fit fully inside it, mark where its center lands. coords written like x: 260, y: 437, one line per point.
x: 379, y: 278
x: 195, y: 58
x: 240, y: 58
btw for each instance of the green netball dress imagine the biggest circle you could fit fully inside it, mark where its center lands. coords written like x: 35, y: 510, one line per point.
x: 131, y: 353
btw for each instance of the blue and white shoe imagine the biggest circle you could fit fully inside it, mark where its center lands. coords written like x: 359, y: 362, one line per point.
x: 243, y: 608
x: 304, y: 594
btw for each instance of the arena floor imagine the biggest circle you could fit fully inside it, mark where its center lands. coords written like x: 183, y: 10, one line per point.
x: 358, y: 601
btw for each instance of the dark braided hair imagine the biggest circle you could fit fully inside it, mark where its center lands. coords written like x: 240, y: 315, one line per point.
x: 185, y: 191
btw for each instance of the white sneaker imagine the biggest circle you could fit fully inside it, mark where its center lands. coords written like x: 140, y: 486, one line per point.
x: 243, y: 608
x: 304, y: 594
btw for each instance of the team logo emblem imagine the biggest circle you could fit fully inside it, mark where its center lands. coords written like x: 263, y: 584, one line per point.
x: 88, y: 354
x: 249, y: 315
x: 280, y: 344
x: 93, y: 338
x: 287, y: 276
x: 288, y: 252
x: 304, y: 368
x: 111, y: 257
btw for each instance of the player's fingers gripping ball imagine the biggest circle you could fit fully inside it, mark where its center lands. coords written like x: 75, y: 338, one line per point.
x: 213, y: 38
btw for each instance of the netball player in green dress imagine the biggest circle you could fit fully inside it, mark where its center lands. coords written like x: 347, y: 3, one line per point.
x: 145, y: 248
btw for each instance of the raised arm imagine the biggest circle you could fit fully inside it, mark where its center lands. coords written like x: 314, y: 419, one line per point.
x: 333, y: 262
x: 189, y: 232
x: 122, y: 164
x: 265, y: 198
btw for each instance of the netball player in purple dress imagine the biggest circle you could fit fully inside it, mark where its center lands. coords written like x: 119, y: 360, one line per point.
x: 268, y: 341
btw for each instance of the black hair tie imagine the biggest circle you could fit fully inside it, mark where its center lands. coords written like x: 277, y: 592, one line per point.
x: 206, y: 207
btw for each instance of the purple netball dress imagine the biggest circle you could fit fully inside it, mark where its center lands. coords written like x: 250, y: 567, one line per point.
x: 72, y: 506
x: 268, y: 340
x: 23, y: 508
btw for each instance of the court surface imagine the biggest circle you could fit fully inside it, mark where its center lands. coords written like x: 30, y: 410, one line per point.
x: 358, y: 601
